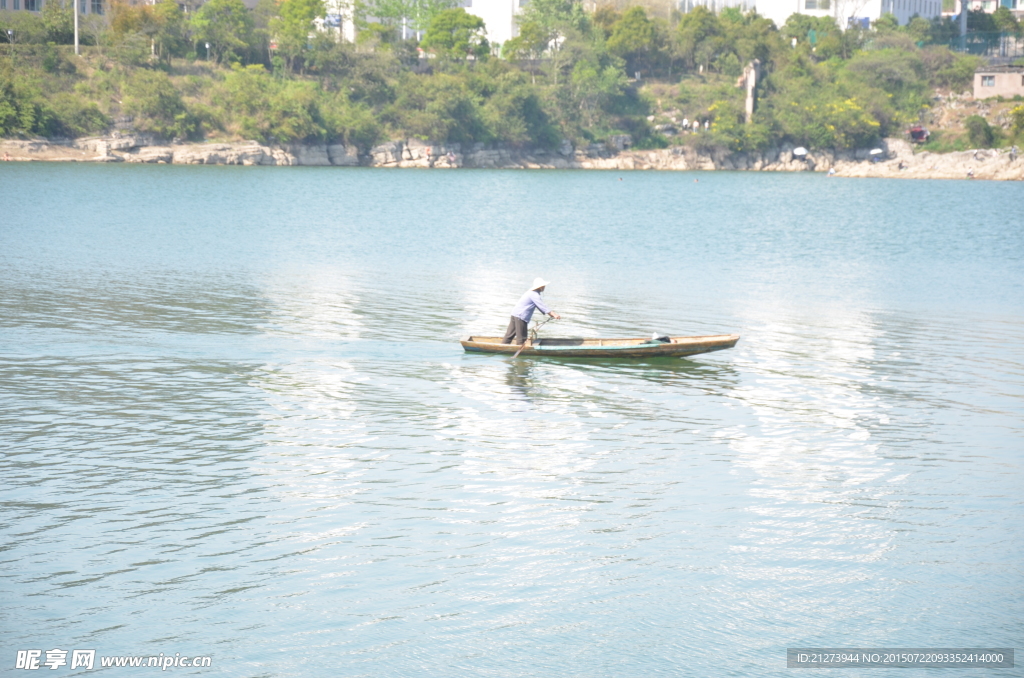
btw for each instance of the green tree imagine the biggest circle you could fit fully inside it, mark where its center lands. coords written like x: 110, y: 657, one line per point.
x: 22, y: 107
x: 604, y: 19
x: 596, y: 84
x: 389, y: 13
x: 171, y: 38
x: 751, y: 36
x: 637, y: 40
x: 699, y: 37
x: 886, y: 23
x: 227, y: 26
x: 799, y: 26
x: 1005, y: 21
x: 943, y: 31
x: 531, y: 43
x: 920, y: 29
x: 455, y: 33
x: 293, y: 25
x: 980, y: 21
x: 374, y: 35
x: 424, y: 11
x: 59, y: 20
x: 160, y: 25
x: 556, y: 18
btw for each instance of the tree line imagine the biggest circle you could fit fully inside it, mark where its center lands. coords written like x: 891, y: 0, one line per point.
x: 275, y: 74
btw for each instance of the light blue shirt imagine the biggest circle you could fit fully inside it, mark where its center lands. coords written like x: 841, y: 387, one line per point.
x: 528, y: 302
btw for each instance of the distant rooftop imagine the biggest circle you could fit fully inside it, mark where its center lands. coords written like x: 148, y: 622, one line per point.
x: 1000, y: 69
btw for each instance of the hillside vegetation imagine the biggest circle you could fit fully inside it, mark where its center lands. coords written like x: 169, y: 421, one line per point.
x: 270, y: 75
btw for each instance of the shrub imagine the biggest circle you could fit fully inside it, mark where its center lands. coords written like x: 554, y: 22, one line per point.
x: 75, y: 116
x: 979, y: 132
x: 10, y: 113
x: 269, y: 109
x: 151, y: 97
x: 515, y: 114
x: 1017, y: 120
x: 949, y: 69
x: 28, y: 28
x: 352, y: 123
x: 440, y: 107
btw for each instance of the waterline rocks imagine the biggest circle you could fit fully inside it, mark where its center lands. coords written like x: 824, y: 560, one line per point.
x: 980, y: 164
x: 342, y: 155
x: 414, y: 153
x: 894, y: 158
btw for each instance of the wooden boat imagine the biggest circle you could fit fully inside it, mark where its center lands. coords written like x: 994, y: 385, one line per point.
x: 605, y: 348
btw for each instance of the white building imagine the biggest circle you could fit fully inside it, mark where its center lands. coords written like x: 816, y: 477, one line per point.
x: 84, y: 6
x: 338, y: 20
x: 499, y: 17
x: 846, y: 12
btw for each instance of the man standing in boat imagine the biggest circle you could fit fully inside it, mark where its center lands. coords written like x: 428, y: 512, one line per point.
x: 523, y: 311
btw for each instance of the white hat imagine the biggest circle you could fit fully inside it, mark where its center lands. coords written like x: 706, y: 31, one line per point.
x: 538, y: 283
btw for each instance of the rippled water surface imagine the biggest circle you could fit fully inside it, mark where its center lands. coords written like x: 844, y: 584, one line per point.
x: 235, y: 420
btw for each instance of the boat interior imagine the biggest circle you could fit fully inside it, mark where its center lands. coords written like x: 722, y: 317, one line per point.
x: 579, y: 341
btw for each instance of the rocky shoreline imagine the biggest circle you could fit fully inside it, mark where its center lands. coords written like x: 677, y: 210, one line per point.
x: 897, y: 159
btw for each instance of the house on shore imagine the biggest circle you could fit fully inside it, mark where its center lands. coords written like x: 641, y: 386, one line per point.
x: 999, y: 81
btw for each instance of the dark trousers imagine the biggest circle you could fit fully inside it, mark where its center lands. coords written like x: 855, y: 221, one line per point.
x: 516, y: 330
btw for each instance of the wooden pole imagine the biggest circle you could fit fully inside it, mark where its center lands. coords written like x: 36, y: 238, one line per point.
x: 520, y: 348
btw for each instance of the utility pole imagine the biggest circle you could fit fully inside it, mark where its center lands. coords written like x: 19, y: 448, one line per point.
x: 75, y: 4
x: 964, y: 4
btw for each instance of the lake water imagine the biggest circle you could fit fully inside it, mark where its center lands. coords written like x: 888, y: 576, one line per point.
x: 235, y: 420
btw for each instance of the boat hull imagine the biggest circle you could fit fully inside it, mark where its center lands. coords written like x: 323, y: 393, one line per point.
x: 604, y: 348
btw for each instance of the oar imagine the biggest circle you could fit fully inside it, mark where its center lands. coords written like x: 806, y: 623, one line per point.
x: 516, y: 355
x: 535, y: 329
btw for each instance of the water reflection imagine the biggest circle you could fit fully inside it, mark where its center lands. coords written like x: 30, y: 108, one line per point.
x: 519, y: 378
x: 814, y: 404
x: 324, y: 303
